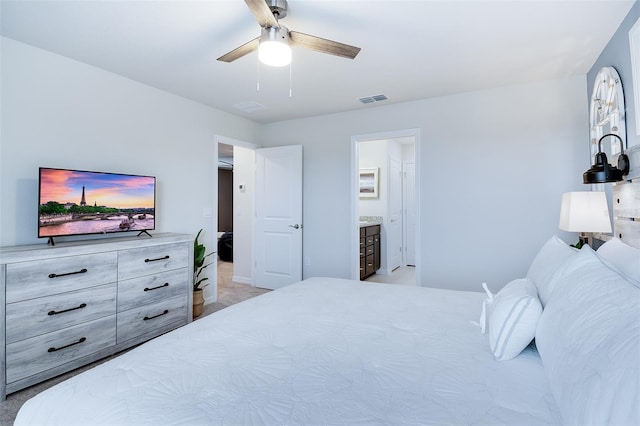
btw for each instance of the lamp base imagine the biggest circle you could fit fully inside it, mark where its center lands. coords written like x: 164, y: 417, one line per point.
x: 583, y: 239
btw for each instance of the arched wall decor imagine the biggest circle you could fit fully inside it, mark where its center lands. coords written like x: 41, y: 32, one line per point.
x: 607, y: 111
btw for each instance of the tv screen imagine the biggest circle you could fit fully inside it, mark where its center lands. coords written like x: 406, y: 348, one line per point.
x: 78, y: 202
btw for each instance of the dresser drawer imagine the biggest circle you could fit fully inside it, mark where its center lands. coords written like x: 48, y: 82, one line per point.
x: 151, y: 260
x: 37, y: 354
x: 28, y: 280
x: 43, y: 315
x: 154, y: 288
x: 135, y: 322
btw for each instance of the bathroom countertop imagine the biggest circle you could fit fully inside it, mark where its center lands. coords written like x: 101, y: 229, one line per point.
x: 370, y: 221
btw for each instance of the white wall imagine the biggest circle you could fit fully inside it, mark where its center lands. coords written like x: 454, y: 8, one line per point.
x: 57, y: 112
x: 243, y: 207
x: 494, y: 165
x: 408, y: 152
x: 373, y: 154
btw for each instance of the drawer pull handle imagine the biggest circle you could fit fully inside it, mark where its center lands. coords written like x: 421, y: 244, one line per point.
x: 155, y: 288
x: 155, y: 260
x: 84, y: 305
x: 81, y: 271
x: 166, y: 311
x: 82, y: 339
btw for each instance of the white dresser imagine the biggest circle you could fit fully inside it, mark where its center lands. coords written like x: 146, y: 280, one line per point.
x: 71, y: 304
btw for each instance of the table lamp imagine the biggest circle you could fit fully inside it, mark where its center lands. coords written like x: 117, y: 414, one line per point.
x: 584, y: 212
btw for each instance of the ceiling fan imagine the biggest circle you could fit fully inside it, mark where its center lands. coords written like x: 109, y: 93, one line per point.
x: 275, y: 40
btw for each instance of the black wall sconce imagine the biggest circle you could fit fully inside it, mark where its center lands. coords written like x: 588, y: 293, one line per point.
x: 602, y: 171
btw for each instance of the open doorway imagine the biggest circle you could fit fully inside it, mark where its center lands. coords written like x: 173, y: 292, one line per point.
x: 235, y: 228
x: 385, y: 192
x: 225, y: 214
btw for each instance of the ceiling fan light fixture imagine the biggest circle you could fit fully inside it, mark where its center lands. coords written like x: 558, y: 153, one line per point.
x: 274, y: 49
x: 267, y: 13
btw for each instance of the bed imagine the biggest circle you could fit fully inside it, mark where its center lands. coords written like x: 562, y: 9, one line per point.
x: 333, y: 351
x: 323, y: 351
x: 558, y: 346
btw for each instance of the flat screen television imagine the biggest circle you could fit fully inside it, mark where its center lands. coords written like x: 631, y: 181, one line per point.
x: 79, y: 202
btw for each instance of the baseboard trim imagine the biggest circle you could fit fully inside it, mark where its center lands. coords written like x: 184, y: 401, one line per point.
x: 241, y: 280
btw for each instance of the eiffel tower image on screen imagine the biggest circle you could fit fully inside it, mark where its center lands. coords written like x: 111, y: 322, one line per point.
x: 83, y: 202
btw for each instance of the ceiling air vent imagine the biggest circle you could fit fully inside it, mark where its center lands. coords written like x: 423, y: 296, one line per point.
x: 250, y: 106
x: 372, y: 99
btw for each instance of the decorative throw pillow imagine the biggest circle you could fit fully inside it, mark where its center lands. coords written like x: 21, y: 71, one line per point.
x: 589, y: 340
x: 513, y: 317
x: 553, y: 254
x: 623, y: 257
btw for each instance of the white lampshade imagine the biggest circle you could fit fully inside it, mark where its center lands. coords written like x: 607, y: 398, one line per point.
x: 274, y: 49
x: 584, y: 212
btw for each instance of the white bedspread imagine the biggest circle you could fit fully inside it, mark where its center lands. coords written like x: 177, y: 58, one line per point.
x: 324, y: 351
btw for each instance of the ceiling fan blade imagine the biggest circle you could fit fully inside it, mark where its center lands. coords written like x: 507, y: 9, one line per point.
x: 263, y: 13
x: 239, y: 52
x: 323, y: 45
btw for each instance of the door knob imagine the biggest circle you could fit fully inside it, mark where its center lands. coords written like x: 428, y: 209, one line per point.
x: 296, y: 226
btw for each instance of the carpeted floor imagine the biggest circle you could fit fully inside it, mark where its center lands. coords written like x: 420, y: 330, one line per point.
x: 229, y: 293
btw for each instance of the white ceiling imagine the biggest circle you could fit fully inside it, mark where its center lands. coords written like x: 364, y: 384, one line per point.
x: 410, y: 49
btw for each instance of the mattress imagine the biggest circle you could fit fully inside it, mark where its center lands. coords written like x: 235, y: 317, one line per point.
x: 322, y: 351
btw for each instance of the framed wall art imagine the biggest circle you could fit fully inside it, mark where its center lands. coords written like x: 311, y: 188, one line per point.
x: 369, y: 182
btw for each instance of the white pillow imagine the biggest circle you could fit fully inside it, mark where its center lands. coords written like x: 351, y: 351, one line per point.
x: 513, y: 316
x: 623, y: 257
x: 553, y: 254
x: 589, y: 340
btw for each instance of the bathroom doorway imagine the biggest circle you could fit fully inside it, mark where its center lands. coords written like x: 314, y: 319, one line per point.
x: 393, y: 203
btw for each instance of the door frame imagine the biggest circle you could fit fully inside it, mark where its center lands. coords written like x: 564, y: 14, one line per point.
x: 355, y: 178
x: 218, y: 139
x: 405, y: 232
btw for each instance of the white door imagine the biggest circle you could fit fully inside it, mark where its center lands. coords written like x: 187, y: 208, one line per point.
x: 278, y: 247
x: 409, y: 197
x: 395, y: 214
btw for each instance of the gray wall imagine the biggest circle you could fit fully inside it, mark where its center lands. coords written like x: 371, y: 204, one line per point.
x: 494, y: 165
x: 616, y: 55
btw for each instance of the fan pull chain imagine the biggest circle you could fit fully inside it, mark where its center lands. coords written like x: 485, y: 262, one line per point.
x: 290, y: 78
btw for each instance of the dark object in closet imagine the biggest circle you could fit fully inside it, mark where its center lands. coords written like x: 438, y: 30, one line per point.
x: 225, y: 199
x: 225, y: 247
